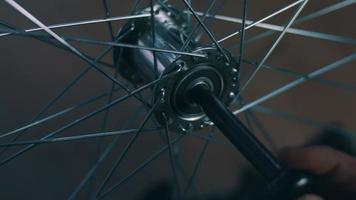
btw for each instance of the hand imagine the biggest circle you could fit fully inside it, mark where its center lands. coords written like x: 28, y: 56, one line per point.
x: 335, y: 170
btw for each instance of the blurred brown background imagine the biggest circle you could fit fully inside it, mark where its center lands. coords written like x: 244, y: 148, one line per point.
x: 33, y: 72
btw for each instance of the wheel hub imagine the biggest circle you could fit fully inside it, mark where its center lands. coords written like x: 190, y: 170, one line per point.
x: 216, y: 71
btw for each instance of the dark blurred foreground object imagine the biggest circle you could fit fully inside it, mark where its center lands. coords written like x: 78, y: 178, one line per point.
x: 332, y: 160
x: 328, y: 157
x: 253, y: 184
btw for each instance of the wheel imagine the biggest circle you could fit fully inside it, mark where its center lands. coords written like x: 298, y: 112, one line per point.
x: 96, y: 99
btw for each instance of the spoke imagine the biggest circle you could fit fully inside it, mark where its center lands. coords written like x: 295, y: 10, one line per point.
x: 326, y: 82
x: 252, y: 24
x: 77, y: 121
x: 208, y: 21
x: 299, y: 119
x: 110, y: 44
x: 139, y: 168
x: 242, y: 31
x: 205, y: 28
x: 86, y: 22
x: 197, y: 164
x: 297, y: 82
x: 197, y: 27
x: 218, y: 141
x: 313, y: 15
x: 107, y: 16
x: 106, y: 112
x: 69, y: 85
x: 77, y: 137
x: 252, y: 76
x: 189, y: 15
x: 55, y: 115
x: 125, y: 151
x: 326, y: 10
x: 92, y: 172
x: 65, y: 43
x: 295, y: 31
x: 49, y: 40
x: 152, y: 15
x: 247, y: 117
x: 172, y: 161
x: 90, y: 176
x: 250, y: 115
x: 123, y: 45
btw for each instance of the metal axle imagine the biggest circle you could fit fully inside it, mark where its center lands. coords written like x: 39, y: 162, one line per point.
x: 285, y: 184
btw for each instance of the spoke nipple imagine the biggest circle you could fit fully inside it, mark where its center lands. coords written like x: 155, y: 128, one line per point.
x: 163, y: 94
x: 232, y: 95
x: 181, y: 64
x: 132, y: 27
x: 166, y: 118
x: 206, y: 122
x: 234, y: 71
x: 185, y: 129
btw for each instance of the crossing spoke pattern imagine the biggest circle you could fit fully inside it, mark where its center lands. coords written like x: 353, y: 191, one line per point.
x: 142, y: 119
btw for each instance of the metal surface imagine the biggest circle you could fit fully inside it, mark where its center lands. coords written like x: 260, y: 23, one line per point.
x: 284, y: 184
x: 236, y: 132
x: 138, y: 65
x: 219, y: 71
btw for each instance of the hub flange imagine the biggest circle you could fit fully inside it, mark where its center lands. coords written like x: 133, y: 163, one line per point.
x: 217, y: 74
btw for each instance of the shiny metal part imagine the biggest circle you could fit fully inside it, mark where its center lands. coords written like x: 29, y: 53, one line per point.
x: 216, y: 73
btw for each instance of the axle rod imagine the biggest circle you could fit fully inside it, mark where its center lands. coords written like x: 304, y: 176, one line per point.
x: 285, y: 184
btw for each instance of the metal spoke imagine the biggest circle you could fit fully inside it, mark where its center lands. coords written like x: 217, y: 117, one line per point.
x: 197, y: 164
x: 278, y: 28
x: 138, y: 169
x: 252, y: 76
x: 77, y: 137
x: 86, y: 22
x: 205, y: 28
x: 297, y: 82
x: 107, y: 16
x: 251, y: 116
x: 93, y: 170
x: 68, y: 86
x: 77, y: 121
x: 124, y: 45
x: 323, y: 81
x: 152, y: 15
x: 172, y: 161
x: 46, y: 39
x: 321, y: 12
x: 55, y: 115
x: 125, y: 151
x: 218, y: 141
x: 197, y: 27
x: 106, y: 112
x: 252, y: 24
x: 298, y: 119
x: 100, y: 158
x: 65, y: 43
x: 111, y: 44
x: 209, y: 19
x: 242, y: 31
